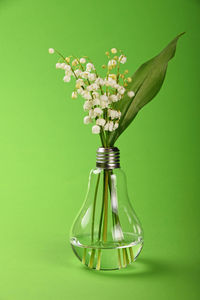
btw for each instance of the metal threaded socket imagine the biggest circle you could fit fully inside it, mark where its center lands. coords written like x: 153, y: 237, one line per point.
x: 108, y: 158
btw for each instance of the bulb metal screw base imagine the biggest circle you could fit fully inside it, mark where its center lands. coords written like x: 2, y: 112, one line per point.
x: 108, y: 158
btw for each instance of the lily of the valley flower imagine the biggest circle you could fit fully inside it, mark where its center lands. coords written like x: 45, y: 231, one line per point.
x: 89, y: 67
x: 51, y: 50
x: 122, y: 59
x: 96, y: 129
x: 82, y: 60
x: 112, y: 63
x: 87, y: 120
x: 131, y: 94
x: 100, y: 122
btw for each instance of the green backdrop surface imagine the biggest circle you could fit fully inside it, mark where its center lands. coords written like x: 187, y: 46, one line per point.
x: 46, y: 153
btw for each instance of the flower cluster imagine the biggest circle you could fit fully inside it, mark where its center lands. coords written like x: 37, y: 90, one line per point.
x: 99, y: 93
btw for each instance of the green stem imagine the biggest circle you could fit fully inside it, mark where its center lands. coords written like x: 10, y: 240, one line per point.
x: 103, y: 140
x: 109, y: 184
x: 94, y: 208
x: 103, y: 203
x: 84, y: 255
x: 115, y: 216
x: 131, y: 254
x: 124, y: 257
x: 127, y: 258
x: 98, y: 260
x: 90, y: 265
x: 101, y: 218
x: 119, y: 258
x: 114, y: 220
x: 105, y: 224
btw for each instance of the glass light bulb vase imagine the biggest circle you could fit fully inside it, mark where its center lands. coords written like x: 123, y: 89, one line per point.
x: 106, y: 234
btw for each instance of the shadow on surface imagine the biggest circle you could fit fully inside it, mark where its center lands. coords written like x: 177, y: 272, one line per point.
x: 143, y: 267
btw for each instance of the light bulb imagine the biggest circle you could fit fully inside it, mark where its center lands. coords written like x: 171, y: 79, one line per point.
x: 107, y: 234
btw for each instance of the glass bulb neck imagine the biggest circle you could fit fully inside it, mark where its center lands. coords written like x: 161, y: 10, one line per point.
x: 108, y: 158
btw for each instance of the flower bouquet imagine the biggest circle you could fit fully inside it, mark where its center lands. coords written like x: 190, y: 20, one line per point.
x: 107, y: 234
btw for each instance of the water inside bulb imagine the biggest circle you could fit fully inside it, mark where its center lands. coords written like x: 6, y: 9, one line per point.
x: 107, y: 256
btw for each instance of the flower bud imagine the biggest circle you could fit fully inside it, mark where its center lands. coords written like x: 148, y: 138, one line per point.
x: 67, y: 59
x: 74, y: 95
x: 51, y: 50
x: 75, y: 63
x: 82, y: 60
x: 114, y: 50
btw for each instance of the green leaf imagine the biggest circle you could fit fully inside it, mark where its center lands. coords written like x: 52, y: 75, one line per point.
x: 146, y: 83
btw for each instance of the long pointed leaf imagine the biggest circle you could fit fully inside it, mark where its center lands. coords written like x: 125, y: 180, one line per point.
x: 146, y: 83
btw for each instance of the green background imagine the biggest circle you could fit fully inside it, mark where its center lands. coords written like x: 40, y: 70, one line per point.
x: 46, y: 153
